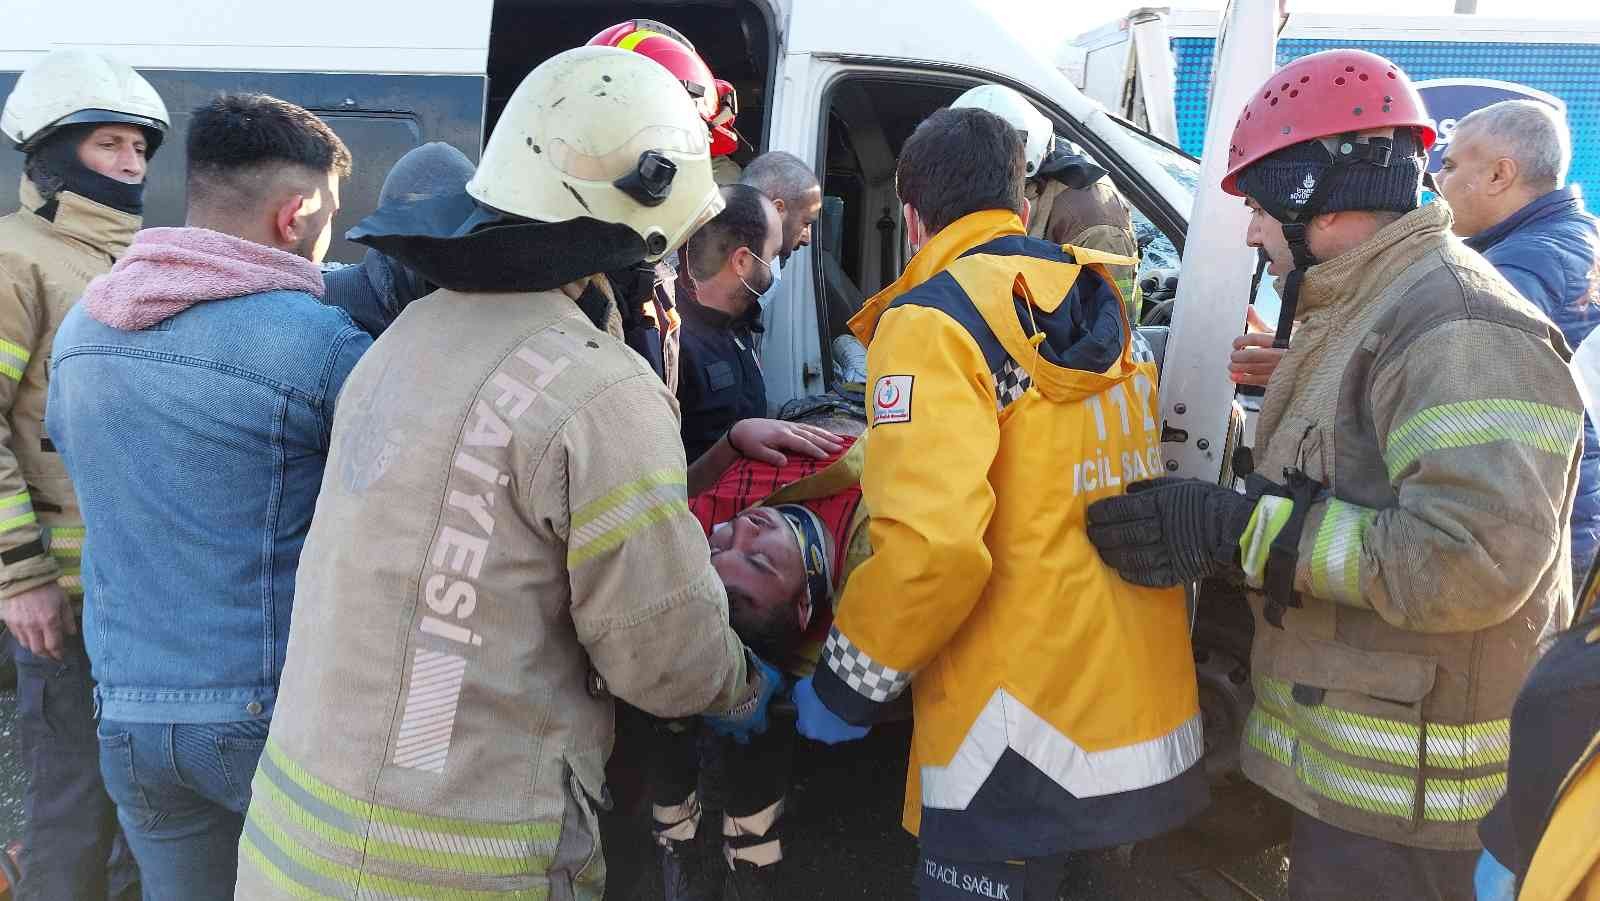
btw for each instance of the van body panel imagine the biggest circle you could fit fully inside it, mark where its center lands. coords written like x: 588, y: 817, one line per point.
x: 409, y: 36
x: 379, y: 117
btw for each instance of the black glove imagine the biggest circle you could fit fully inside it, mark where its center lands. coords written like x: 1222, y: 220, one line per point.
x: 1170, y: 531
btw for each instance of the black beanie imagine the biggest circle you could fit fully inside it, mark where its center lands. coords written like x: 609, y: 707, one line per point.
x: 1283, y: 182
x: 54, y: 167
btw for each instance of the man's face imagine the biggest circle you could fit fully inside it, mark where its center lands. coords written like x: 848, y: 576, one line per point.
x: 1467, y: 168
x: 1266, y: 233
x: 798, y: 217
x: 754, y: 266
x: 116, y: 151
x: 317, y: 212
x: 757, y: 557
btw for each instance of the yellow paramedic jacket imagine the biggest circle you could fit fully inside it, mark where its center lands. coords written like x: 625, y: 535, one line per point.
x: 1566, y: 866
x: 1055, y: 704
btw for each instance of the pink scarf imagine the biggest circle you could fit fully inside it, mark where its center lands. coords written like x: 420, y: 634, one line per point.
x: 169, y: 270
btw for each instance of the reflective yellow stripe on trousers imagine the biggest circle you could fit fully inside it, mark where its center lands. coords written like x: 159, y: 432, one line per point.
x: 66, y: 548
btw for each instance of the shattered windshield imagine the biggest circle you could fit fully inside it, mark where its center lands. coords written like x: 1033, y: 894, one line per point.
x: 1185, y: 170
x: 1159, y: 254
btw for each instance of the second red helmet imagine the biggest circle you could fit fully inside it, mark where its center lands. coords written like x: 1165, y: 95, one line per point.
x: 715, y: 99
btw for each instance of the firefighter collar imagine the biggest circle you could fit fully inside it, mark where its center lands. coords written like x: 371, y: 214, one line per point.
x: 960, y: 236
x: 101, y: 228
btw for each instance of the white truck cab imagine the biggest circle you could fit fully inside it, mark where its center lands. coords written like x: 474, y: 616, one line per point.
x: 837, y: 82
x: 854, y: 80
x: 840, y: 83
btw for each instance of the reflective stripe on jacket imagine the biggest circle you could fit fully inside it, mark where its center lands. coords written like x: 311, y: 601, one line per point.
x: 1055, y: 704
x: 44, y: 266
x: 1435, y: 406
x: 1095, y: 217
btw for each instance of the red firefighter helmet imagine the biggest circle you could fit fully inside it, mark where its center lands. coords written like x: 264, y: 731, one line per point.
x: 1320, y: 96
x: 714, y: 99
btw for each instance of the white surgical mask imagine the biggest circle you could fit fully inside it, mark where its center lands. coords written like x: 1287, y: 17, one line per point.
x: 765, y: 300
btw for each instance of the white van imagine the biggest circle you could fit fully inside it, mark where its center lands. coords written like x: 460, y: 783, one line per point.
x: 840, y: 83
x: 837, y: 82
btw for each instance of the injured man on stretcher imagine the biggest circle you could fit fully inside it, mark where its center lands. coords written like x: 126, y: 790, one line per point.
x: 783, y: 539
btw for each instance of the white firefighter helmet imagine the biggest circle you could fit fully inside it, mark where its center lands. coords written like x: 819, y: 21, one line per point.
x: 1036, y: 130
x: 77, y: 87
x: 603, y: 133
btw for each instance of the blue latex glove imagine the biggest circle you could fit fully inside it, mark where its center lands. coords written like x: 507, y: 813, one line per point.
x: 1493, y: 881
x: 750, y: 717
x: 817, y: 722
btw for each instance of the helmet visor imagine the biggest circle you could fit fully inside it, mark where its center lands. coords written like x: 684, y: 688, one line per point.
x: 613, y: 163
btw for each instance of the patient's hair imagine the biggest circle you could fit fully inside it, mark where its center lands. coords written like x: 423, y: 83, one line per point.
x: 773, y: 633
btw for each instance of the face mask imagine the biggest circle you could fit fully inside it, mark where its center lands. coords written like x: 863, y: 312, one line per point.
x: 763, y: 296
x: 767, y: 296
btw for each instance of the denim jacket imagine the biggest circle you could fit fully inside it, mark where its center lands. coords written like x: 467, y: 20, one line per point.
x: 197, y: 447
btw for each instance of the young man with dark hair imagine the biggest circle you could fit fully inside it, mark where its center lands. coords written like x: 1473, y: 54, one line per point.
x: 782, y: 535
x: 1055, y: 704
x: 733, y: 259
x: 88, y: 126
x: 192, y: 400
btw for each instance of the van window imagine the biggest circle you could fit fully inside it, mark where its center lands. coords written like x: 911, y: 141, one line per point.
x: 732, y: 36
x: 379, y: 117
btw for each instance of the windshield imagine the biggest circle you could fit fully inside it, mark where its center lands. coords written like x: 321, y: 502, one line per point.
x: 1181, y: 166
x: 1158, y: 251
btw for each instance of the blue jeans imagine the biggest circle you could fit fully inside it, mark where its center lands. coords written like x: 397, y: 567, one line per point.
x: 181, y: 792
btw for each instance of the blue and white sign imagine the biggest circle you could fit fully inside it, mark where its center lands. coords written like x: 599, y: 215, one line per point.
x: 1449, y: 100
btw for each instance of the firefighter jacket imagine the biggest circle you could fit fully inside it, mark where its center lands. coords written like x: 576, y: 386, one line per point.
x: 1550, y: 252
x: 44, y: 266
x: 1435, y: 406
x: 1094, y: 217
x: 1055, y: 705
x: 502, y: 539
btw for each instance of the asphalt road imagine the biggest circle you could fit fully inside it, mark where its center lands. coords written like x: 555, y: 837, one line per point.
x: 12, y: 777
x: 846, y: 841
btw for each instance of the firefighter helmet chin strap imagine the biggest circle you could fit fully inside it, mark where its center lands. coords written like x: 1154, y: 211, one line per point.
x: 1348, y: 152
